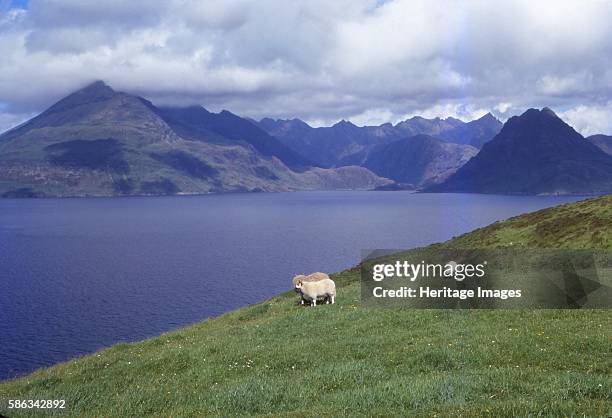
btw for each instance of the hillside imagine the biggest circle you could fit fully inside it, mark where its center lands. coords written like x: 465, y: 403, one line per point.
x: 602, y: 141
x: 100, y: 142
x: 195, y: 122
x: 420, y: 160
x: 275, y: 358
x: 535, y: 153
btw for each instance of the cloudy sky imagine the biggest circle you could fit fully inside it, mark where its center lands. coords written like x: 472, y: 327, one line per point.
x: 363, y: 60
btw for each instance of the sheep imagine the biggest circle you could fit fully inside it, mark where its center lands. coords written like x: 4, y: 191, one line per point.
x: 310, y: 278
x: 311, y: 291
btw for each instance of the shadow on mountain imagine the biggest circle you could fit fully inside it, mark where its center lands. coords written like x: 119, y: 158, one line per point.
x: 265, y: 173
x: 186, y: 163
x: 123, y: 186
x: 163, y: 186
x: 98, y: 154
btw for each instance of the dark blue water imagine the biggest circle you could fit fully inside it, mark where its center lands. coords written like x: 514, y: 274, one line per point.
x: 80, y: 274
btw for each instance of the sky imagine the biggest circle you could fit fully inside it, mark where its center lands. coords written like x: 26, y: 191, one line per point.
x: 366, y: 61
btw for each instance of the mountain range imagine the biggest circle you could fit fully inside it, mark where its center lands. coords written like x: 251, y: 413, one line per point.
x: 100, y: 142
x: 534, y: 153
x: 347, y: 144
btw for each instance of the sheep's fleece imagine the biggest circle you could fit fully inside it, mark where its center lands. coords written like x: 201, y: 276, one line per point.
x: 311, y: 291
x: 314, y: 277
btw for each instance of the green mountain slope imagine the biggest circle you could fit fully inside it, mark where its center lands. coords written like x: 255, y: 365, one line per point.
x: 275, y: 358
x: 100, y: 142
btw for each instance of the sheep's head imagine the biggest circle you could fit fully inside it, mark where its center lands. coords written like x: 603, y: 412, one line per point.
x: 296, y: 279
x: 298, y: 285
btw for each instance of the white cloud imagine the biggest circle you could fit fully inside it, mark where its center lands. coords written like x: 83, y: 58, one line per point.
x: 502, y: 107
x: 372, y: 117
x: 567, y: 85
x: 590, y: 120
x: 9, y: 120
x: 322, y: 61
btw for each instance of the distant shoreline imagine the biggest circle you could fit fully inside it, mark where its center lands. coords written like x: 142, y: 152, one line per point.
x: 297, y: 191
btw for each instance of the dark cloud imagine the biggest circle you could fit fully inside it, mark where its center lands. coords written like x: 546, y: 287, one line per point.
x: 363, y: 60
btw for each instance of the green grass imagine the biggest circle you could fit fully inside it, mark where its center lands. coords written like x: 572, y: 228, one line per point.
x: 277, y: 359
x: 585, y: 224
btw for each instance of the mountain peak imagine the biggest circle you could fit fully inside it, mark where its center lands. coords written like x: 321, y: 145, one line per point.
x: 96, y: 92
x: 96, y: 88
x: 539, y: 125
x: 488, y: 117
x: 345, y: 123
x: 545, y: 111
x: 548, y: 111
x: 98, y: 84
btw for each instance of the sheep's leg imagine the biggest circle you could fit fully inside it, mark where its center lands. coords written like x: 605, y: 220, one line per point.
x: 302, y: 302
x: 314, y: 301
x: 327, y: 299
x: 333, y: 298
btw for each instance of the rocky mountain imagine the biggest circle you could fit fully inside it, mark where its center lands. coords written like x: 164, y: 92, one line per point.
x: 604, y: 142
x: 339, y: 145
x: 100, y: 142
x: 419, y: 125
x: 285, y: 128
x: 347, y: 144
x: 475, y: 133
x: 535, y: 153
x: 420, y: 160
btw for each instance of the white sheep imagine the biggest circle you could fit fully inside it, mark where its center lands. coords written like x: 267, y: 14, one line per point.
x: 314, y: 277
x: 311, y: 291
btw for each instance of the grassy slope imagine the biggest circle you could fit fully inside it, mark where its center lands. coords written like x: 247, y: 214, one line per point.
x: 276, y: 358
